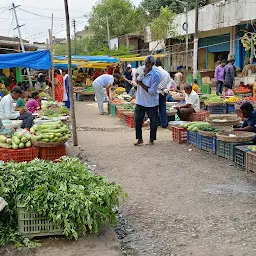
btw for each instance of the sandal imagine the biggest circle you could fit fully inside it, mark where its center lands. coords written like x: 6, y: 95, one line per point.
x: 138, y: 143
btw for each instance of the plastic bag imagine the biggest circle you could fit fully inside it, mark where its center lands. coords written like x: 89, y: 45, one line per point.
x: 3, y: 204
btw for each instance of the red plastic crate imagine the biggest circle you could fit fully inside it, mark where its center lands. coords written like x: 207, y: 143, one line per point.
x: 120, y: 115
x: 199, y: 116
x: 179, y: 134
x: 130, y: 121
x: 18, y: 155
x: 52, y: 153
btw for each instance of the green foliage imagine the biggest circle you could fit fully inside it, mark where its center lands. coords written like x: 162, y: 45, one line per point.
x: 153, y: 7
x: 122, y: 16
x: 163, y: 24
x: 65, y: 192
x: 91, y: 46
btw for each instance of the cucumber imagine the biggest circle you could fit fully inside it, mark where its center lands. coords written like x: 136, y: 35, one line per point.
x: 14, y: 146
x: 21, y: 145
x: 28, y: 144
x: 16, y: 140
x: 45, y: 140
x: 3, y: 139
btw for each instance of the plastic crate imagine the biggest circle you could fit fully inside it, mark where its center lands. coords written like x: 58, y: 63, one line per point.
x: 199, y: 116
x: 18, y: 155
x: 179, y: 134
x: 206, y: 89
x: 193, y: 138
x: 231, y: 109
x: 130, y: 121
x: 208, y: 144
x: 250, y: 162
x: 227, y: 149
x: 32, y: 224
x: 52, y: 153
x: 221, y: 109
x: 113, y: 110
x: 240, y: 156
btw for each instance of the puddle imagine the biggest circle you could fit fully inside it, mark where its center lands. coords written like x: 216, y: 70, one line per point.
x: 230, y: 189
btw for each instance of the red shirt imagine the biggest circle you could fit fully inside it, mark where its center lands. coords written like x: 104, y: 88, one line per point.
x: 96, y: 74
x: 110, y: 71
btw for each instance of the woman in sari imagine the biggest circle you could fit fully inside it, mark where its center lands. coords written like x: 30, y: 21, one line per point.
x: 66, y: 97
x: 58, y: 82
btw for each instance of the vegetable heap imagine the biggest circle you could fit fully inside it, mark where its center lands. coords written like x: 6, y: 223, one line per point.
x: 18, y: 140
x: 54, y: 109
x: 88, y: 89
x: 50, y: 132
x: 214, y: 99
x: 209, y: 128
x: 195, y: 126
x: 128, y: 106
x: 120, y: 90
x: 65, y: 192
x: 232, y: 99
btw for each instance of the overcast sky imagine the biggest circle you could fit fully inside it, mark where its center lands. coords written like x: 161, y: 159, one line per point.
x: 37, y: 21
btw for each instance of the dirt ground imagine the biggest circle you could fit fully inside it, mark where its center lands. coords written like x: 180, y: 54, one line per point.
x: 182, y: 201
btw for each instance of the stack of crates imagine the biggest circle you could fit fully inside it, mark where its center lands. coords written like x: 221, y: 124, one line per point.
x: 227, y: 149
x: 179, y: 134
x: 240, y: 156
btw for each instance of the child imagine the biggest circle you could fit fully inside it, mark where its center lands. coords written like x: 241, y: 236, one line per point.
x: 228, y: 91
x: 33, y: 103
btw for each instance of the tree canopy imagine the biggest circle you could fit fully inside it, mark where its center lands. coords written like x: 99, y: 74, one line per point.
x: 122, y: 16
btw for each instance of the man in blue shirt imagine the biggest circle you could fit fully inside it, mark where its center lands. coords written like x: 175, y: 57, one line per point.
x: 147, y: 100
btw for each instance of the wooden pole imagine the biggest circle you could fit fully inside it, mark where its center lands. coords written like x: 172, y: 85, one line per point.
x: 72, y: 109
x: 51, y: 45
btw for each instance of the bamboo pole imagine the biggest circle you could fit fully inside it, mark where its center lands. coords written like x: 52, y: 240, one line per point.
x: 72, y: 109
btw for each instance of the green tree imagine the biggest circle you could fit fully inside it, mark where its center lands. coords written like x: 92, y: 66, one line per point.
x: 122, y: 16
x: 153, y: 6
x: 162, y: 25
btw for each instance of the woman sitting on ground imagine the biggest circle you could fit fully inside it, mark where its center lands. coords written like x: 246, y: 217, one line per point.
x: 34, y: 103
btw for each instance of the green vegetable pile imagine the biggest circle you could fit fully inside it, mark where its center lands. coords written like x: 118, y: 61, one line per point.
x: 210, y: 129
x: 65, y: 192
x: 55, y: 112
x: 88, y: 89
x: 18, y: 140
x: 128, y: 106
x: 212, y: 98
x: 50, y: 132
x: 195, y: 126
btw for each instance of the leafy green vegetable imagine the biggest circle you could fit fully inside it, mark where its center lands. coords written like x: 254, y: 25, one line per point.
x: 65, y: 192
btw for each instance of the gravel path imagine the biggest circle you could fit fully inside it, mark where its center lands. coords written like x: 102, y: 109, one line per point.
x: 182, y: 201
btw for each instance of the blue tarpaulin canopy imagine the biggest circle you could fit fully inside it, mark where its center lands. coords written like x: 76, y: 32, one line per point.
x: 34, y: 60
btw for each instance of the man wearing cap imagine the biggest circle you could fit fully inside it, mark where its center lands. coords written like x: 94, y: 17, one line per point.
x: 147, y: 100
x: 127, y: 75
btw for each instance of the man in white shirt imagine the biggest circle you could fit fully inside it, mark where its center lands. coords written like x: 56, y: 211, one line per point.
x: 192, y: 104
x: 7, y: 109
x: 163, y: 90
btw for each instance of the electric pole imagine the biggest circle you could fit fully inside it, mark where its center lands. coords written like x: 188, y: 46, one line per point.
x: 108, y: 33
x: 72, y: 110
x: 74, y: 26
x: 186, y: 60
x: 195, y: 60
x: 21, y: 41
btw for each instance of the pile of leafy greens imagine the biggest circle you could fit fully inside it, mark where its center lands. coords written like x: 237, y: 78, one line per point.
x: 72, y: 197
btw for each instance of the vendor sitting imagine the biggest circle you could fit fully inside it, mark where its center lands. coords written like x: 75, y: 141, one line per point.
x: 228, y: 91
x: 192, y: 104
x: 7, y: 112
x: 249, y: 114
x: 34, y: 103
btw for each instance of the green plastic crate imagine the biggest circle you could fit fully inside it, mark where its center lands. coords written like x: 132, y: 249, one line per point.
x: 113, y: 110
x: 32, y: 224
x: 206, y: 89
x: 227, y: 149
